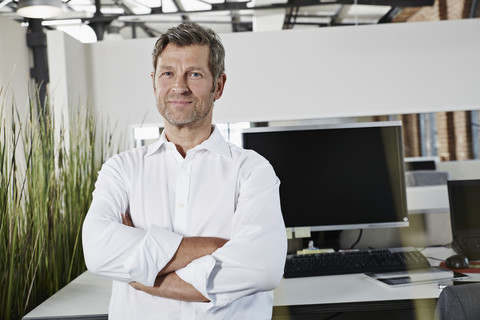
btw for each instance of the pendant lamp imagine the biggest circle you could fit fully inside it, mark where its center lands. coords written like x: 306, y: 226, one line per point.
x: 39, y: 9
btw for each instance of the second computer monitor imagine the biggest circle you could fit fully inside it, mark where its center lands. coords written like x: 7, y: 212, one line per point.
x: 337, y: 177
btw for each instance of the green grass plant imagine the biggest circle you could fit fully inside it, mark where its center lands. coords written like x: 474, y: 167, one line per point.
x: 47, y: 176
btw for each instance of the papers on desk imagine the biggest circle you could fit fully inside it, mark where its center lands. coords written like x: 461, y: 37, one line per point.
x: 411, y: 277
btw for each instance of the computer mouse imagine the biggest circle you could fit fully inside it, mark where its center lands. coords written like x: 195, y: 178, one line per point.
x: 457, y: 261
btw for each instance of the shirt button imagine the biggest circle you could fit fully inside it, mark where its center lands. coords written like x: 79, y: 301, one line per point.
x: 181, y: 205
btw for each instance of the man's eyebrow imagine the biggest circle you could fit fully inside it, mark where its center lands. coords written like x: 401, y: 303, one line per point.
x: 196, y: 68
x: 166, y: 67
x: 162, y: 67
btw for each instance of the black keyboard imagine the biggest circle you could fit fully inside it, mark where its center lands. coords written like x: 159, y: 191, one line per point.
x: 361, y: 261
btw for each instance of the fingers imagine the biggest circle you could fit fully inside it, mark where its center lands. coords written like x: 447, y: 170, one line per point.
x: 127, y: 220
x: 136, y: 285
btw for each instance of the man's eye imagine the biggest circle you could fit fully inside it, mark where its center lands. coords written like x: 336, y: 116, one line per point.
x: 167, y: 73
x: 195, y: 75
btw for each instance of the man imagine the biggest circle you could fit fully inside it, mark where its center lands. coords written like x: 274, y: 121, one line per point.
x: 189, y: 227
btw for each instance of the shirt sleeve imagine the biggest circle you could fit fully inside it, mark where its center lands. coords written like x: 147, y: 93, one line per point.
x: 253, y: 259
x: 114, y: 250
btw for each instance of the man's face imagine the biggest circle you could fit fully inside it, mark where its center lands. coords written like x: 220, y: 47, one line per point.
x: 183, y: 85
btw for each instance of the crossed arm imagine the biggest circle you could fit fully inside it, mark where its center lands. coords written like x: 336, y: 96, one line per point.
x: 164, y: 263
x: 168, y: 284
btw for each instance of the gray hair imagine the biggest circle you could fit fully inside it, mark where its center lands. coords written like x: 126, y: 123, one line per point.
x: 187, y: 34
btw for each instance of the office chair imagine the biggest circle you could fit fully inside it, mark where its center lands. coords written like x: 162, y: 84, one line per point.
x: 461, y: 302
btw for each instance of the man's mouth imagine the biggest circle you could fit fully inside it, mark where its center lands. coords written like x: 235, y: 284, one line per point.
x: 179, y: 102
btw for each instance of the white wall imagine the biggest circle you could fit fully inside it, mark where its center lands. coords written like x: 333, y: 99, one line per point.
x: 14, y: 62
x: 278, y: 75
x: 461, y: 170
x: 70, y: 70
x: 364, y: 70
x: 311, y: 73
x: 297, y: 74
x: 120, y: 80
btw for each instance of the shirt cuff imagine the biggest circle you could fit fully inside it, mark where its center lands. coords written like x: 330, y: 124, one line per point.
x: 197, y: 273
x: 154, y: 252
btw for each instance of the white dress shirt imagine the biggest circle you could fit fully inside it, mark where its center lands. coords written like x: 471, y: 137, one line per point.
x: 217, y: 190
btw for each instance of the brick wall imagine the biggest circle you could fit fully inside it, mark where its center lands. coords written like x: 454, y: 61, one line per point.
x: 454, y: 133
x: 443, y: 10
x: 411, y: 135
x: 463, y: 135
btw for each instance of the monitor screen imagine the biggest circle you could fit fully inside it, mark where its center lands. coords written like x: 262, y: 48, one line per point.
x: 337, y: 177
x: 420, y: 164
x: 464, y: 200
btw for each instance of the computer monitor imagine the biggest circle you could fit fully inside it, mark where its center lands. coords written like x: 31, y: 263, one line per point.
x: 421, y: 163
x: 464, y: 203
x: 337, y: 177
x: 463, y: 197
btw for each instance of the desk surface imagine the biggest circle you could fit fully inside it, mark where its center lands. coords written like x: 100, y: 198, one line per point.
x: 88, y: 295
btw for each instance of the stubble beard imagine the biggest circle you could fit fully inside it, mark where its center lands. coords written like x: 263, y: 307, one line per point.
x: 184, y: 119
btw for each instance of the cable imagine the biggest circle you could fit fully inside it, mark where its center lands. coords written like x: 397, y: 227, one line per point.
x: 358, y: 239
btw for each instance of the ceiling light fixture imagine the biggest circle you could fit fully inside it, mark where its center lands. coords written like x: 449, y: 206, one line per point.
x: 62, y: 22
x: 39, y: 9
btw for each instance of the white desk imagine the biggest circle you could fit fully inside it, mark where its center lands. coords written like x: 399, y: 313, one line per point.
x: 88, y: 295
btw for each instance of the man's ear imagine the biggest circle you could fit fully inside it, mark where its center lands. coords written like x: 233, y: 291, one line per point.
x: 220, y: 84
x: 152, y: 75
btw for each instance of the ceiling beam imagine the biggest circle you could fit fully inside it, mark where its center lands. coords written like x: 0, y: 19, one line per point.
x: 233, y: 6
x: 243, y: 5
x: 390, y: 15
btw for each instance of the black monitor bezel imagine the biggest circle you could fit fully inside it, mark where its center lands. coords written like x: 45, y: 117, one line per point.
x: 403, y: 222
x: 452, y: 185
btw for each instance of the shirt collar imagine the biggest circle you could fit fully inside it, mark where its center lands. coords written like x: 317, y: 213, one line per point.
x: 215, y: 143
x: 152, y: 148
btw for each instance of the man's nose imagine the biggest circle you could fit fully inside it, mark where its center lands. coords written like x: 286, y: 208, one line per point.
x: 180, y: 85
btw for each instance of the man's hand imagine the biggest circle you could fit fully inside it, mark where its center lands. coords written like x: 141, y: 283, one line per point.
x: 127, y: 220
x: 192, y: 248
x: 173, y: 287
